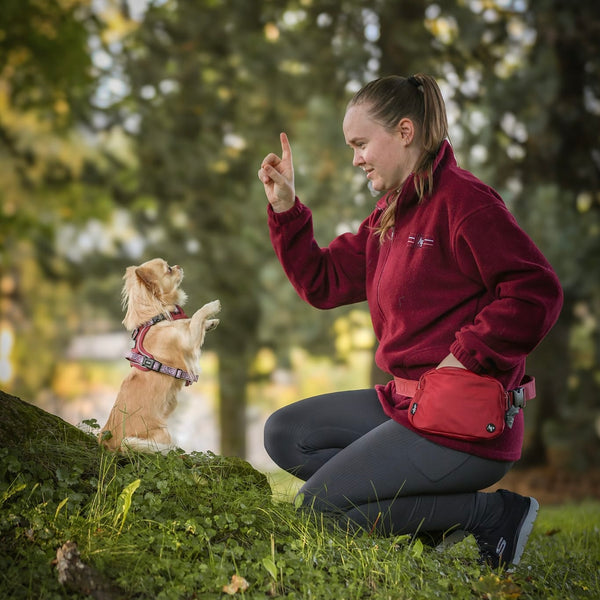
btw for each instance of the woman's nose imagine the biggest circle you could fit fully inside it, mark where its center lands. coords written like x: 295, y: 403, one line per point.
x: 358, y: 159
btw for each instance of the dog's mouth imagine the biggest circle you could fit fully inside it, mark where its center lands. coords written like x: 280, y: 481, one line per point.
x: 178, y: 271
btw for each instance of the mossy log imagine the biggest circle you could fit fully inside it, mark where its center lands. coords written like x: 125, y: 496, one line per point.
x: 53, y: 442
x: 21, y: 421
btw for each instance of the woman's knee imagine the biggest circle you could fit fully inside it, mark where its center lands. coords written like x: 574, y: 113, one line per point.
x: 273, y: 430
x: 279, y: 438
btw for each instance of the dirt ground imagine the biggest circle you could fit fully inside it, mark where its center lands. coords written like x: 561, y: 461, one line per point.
x: 551, y: 486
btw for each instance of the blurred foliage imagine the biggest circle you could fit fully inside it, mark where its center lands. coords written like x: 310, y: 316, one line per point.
x: 126, y: 135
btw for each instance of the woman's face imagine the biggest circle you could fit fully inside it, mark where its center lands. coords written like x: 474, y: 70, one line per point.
x: 387, y: 157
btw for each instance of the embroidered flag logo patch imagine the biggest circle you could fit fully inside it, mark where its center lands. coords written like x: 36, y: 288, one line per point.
x: 418, y: 240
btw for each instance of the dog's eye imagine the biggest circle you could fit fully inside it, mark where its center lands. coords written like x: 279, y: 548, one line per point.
x: 169, y: 269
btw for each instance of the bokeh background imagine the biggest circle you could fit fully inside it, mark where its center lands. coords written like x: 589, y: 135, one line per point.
x: 131, y: 129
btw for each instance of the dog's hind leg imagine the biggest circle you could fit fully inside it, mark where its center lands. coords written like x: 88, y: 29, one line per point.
x: 155, y: 439
x: 145, y: 445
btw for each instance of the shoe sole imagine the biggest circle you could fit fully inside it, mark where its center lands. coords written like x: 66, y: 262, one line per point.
x: 525, y: 529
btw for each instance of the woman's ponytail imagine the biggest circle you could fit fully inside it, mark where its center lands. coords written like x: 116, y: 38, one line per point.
x: 434, y: 130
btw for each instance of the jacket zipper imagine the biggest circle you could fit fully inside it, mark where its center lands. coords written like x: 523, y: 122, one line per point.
x: 388, y: 246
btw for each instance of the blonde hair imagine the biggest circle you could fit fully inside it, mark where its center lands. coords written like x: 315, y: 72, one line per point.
x: 418, y: 98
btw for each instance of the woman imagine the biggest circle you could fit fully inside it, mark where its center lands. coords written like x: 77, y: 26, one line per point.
x: 451, y: 281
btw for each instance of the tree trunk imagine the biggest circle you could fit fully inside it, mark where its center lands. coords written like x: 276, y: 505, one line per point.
x: 232, y: 408
x: 236, y: 346
x: 75, y: 575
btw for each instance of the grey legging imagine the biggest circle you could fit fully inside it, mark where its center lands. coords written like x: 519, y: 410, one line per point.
x: 371, y: 471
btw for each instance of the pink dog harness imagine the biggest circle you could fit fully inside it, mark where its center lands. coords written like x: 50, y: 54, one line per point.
x: 141, y: 359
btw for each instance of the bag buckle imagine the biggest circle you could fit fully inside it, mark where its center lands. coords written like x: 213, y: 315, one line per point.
x: 517, y: 403
x: 518, y: 397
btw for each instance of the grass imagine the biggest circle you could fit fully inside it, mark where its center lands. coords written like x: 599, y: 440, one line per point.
x: 182, y: 526
x: 562, y: 558
x: 564, y: 550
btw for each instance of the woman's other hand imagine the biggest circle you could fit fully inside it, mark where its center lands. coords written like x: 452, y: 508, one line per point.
x: 451, y: 361
x: 277, y: 175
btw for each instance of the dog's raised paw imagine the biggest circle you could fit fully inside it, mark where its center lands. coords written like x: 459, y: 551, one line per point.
x: 212, y: 307
x: 211, y: 324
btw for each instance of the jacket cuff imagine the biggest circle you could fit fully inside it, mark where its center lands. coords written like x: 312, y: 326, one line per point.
x: 465, y: 358
x: 286, y: 216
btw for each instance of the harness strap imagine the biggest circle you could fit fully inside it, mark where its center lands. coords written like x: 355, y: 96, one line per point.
x: 148, y: 363
x: 141, y: 359
x: 175, y: 315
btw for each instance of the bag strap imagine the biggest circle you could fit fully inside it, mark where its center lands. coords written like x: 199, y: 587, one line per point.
x: 526, y: 391
x: 518, y: 397
x: 405, y: 387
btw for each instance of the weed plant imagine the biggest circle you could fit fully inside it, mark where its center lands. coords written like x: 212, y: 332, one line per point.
x: 180, y: 526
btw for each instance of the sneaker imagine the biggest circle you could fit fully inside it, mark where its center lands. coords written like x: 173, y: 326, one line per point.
x: 504, y: 544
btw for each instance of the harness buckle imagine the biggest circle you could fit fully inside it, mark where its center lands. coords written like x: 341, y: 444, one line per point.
x: 148, y: 363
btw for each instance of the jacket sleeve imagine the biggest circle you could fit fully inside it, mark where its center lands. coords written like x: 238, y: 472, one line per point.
x: 323, y: 277
x: 523, y: 294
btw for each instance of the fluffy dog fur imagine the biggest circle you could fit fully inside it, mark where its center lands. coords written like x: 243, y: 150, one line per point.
x: 138, y: 418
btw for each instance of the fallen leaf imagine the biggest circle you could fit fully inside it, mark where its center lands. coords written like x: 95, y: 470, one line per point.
x: 237, y: 584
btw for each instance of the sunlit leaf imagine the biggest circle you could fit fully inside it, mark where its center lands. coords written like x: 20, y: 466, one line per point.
x: 237, y: 584
x: 494, y: 587
x: 270, y: 566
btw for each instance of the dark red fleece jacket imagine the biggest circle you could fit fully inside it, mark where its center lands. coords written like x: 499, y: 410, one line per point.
x: 457, y: 275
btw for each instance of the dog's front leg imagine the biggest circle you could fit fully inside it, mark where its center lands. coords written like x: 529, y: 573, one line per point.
x: 201, y: 321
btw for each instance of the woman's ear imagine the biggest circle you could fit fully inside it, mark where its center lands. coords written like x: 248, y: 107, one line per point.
x: 406, y: 130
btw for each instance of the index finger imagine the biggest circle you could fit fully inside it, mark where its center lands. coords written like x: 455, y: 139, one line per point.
x: 286, y: 149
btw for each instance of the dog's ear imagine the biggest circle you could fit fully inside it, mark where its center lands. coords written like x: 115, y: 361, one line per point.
x: 129, y: 279
x: 148, y: 277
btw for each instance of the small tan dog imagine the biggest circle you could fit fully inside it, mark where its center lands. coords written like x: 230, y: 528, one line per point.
x: 165, y: 355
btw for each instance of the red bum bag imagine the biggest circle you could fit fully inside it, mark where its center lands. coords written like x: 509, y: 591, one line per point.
x: 458, y: 403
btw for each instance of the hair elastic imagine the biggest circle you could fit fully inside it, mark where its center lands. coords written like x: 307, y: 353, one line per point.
x: 414, y: 81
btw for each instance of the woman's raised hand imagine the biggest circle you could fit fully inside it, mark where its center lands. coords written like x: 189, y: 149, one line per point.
x: 277, y: 175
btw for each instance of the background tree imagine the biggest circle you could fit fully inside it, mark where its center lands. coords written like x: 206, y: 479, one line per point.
x: 46, y: 82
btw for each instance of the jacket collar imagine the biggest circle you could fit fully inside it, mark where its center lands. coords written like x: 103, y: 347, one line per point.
x: 445, y: 156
